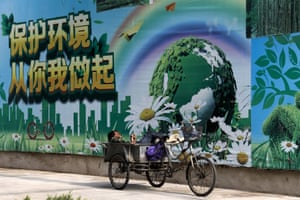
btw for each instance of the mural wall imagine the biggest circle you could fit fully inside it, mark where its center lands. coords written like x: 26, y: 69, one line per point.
x: 71, y: 71
x: 275, y: 101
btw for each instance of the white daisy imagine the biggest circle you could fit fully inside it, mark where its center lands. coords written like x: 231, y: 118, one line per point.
x: 240, y: 136
x: 175, y: 129
x: 237, y: 135
x: 145, y: 116
x: 189, y: 115
x: 240, y: 154
x: 64, y: 142
x: 224, y: 127
x: 48, y: 148
x: 16, y: 137
x: 198, y: 109
x: 218, y: 147
x: 41, y: 148
x: 197, y: 100
x: 92, y: 145
x: 288, y: 146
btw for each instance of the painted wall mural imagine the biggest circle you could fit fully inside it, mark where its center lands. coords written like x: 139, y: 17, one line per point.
x: 71, y: 71
x: 275, y: 101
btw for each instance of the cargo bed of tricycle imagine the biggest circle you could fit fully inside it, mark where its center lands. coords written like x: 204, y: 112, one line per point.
x: 125, y: 157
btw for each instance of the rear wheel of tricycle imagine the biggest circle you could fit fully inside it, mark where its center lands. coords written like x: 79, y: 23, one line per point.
x: 201, y: 176
x: 156, y: 176
x: 118, y: 171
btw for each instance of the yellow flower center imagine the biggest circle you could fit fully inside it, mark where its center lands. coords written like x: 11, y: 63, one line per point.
x: 240, y: 137
x: 242, y: 158
x: 197, y: 106
x: 288, y: 144
x: 217, y: 147
x: 147, y: 114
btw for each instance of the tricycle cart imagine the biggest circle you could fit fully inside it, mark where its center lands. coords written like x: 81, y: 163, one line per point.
x: 124, y: 158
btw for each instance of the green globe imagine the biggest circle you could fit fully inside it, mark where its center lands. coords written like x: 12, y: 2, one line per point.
x: 193, y: 64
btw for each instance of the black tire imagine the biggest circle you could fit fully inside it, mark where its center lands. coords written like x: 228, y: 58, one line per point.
x: 156, y: 177
x: 32, y: 130
x: 201, y: 176
x: 48, y: 130
x: 118, y: 171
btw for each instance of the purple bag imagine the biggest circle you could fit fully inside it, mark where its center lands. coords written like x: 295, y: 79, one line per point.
x: 155, y: 152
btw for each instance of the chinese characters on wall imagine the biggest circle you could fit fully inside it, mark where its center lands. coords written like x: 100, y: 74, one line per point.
x: 60, y: 59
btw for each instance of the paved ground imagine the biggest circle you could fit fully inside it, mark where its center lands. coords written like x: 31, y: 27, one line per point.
x: 15, y: 184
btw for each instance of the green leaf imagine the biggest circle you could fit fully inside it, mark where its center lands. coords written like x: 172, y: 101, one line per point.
x: 103, y: 38
x: 270, y: 43
x: 296, y: 39
x: 7, y: 24
x: 282, y: 59
x: 269, y: 100
x: 254, y: 87
x: 293, y: 73
x: 11, y: 18
x: 260, y: 82
x: 258, y: 96
x: 104, y: 49
x: 98, y: 21
x: 4, y: 20
x: 271, y: 55
x: 282, y: 39
x: 293, y: 56
x: 297, y: 83
x: 260, y: 72
x: 281, y: 100
x: 262, y: 61
x: 274, y: 71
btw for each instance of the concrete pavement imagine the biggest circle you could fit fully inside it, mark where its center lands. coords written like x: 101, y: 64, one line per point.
x: 38, y: 185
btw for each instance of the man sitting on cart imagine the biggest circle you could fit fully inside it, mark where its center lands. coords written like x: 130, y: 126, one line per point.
x: 114, y: 136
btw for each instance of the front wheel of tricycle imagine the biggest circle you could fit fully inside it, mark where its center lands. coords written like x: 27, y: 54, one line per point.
x: 118, y: 171
x: 201, y: 176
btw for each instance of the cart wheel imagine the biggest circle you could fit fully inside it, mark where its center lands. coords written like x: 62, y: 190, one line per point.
x: 32, y: 130
x: 156, y: 177
x: 118, y: 171
x: 201, y: 176
x: 48, y: 130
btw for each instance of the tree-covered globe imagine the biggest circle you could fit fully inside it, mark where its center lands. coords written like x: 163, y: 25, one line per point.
x: 193, y: 64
